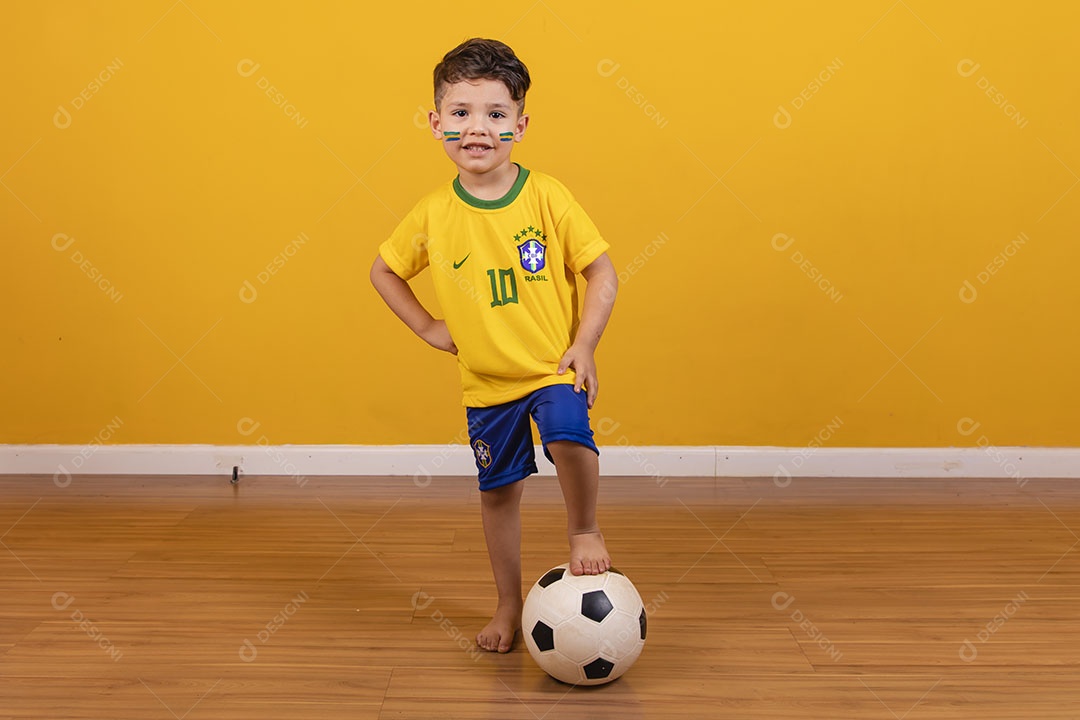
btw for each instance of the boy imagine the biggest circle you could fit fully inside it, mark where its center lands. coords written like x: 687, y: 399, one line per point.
x: 504, y: 244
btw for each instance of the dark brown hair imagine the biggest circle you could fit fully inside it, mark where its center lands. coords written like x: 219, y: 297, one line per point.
x: 480, y: 59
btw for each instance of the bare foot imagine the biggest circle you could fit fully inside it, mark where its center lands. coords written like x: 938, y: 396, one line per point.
x: 498, y: 635
x: 588, y: 554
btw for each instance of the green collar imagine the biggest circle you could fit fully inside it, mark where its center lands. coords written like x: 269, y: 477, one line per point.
x: 509, y: 197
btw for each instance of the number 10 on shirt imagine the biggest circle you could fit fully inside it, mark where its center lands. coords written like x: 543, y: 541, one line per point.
x: 499, y: 294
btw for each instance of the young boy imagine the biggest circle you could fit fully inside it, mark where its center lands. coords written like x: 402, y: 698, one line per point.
x: 504, y: 244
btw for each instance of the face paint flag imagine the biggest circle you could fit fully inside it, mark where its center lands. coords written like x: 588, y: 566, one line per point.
x: 452, y: 135
x: 506, y: 136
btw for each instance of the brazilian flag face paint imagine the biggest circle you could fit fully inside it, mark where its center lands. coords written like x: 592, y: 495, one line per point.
x: 452, y: 135
x: 506, y: 136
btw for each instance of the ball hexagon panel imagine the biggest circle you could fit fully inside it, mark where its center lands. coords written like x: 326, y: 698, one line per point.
x: 559, y: 602
x: 622, y: 592
x: 619, y: 636
x: 579, y: 640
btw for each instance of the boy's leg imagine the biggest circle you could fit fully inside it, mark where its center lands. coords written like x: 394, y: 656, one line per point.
x: 501, y: 439
x: 500, y: 509
x: 579, y: 476
x: 562, y: 416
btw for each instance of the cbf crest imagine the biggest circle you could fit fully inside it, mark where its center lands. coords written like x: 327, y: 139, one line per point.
x: 483, y: 453
x: 532, y: 252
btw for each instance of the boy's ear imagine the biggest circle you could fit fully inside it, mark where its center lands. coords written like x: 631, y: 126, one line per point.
x: 436, y: 124
x: 519, y: 129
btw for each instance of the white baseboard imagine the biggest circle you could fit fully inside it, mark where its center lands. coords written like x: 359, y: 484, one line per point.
x: 62, y: 461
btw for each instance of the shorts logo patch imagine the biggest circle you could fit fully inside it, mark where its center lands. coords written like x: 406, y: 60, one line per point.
x: 483, y: 453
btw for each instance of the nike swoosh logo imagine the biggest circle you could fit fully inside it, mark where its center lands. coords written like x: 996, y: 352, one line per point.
x: 459, y: 264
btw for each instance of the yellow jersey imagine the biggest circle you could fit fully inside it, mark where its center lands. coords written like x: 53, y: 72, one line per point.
x: 504, y: 273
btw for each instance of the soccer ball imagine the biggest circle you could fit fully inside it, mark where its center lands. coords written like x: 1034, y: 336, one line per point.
x: 584, y: 629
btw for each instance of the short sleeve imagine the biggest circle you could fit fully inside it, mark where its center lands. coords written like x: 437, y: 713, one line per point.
x: 581, y: 240
x: 406, y: 250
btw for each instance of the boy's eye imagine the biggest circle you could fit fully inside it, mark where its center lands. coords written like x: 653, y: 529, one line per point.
x: 458, y: 113
x: 497, y: 115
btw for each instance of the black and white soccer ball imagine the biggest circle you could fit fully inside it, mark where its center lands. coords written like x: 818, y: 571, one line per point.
x: 584, y: 629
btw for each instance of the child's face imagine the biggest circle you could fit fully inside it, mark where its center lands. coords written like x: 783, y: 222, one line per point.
x: 478, y: 123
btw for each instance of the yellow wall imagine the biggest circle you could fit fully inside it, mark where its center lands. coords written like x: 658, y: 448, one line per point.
x: 731, y: 153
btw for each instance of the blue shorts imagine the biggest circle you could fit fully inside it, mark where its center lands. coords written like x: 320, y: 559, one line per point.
x: 501, y: 437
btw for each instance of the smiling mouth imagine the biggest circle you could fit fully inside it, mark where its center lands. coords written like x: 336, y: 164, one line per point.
x: 474, y: 149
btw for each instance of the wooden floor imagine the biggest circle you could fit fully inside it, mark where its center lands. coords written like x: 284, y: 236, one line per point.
x: 358, y: 598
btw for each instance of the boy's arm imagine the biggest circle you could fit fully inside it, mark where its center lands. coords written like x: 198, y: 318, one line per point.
x: 601, y: 285
x: 397, y: 294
